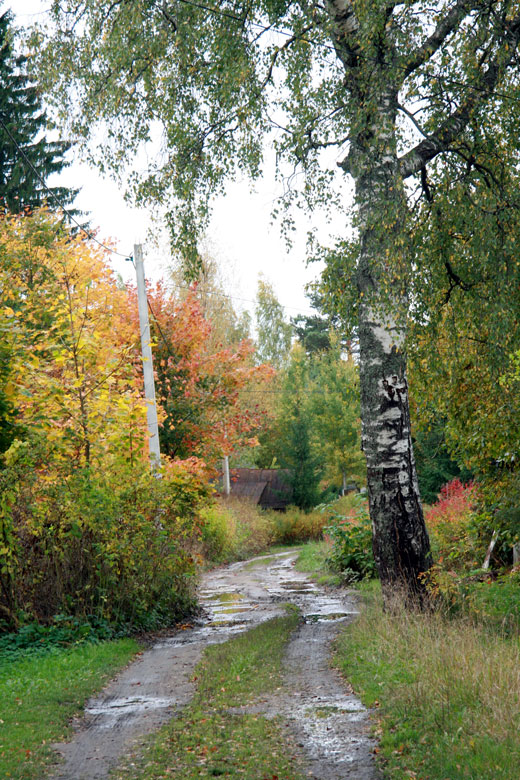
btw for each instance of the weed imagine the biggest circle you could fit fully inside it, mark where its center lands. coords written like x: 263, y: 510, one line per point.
x: 295, y: 525
x: 234, y: 529
x: 351, y: 537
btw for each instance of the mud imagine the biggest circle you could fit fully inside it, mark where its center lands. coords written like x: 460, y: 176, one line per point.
x: 329, y: 722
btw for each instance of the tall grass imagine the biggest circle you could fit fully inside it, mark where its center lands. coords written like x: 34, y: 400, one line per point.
x: 447, y: 692
x: 234, y: 528
x: 294, y: 525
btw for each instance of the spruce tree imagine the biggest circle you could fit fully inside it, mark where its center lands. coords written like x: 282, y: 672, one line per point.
x: 26, y: 156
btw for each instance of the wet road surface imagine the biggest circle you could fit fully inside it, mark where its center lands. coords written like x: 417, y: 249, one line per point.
x: 329, y: 722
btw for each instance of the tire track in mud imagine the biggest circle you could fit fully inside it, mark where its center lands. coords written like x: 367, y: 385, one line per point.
x: 329, y: 722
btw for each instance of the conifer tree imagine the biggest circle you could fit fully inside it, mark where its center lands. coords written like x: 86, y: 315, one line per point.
x: 26, y: 156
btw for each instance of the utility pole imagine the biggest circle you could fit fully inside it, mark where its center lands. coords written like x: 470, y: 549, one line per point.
x: 146, y: 351
x: 225, y: 476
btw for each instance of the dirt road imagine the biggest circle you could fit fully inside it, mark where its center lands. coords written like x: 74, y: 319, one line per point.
x: 329, y: 722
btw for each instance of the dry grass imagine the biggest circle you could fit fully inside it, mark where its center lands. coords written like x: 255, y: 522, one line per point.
x: 449, y: 693
x: 234, y: 529
x: 294, y: 526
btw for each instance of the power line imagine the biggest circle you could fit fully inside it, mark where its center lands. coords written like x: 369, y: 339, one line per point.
x: 35, y: 13
x: 307, y: 313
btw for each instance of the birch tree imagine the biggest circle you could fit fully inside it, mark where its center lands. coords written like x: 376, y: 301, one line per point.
x: 390, y: 86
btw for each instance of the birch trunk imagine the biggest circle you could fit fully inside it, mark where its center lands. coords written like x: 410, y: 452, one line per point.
x: 400, y: 540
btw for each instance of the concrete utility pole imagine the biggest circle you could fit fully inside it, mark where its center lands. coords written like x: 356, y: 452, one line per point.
x: 225, y: 475
x: 146, y: 351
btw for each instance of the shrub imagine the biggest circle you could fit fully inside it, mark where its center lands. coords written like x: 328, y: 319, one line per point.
x: 218, y: 529
x: 118, y: 545
x: 500, y: 512
x: 295, y: 525
x: 233, y: 529
x: 452, y: 527
x: 351, y: 536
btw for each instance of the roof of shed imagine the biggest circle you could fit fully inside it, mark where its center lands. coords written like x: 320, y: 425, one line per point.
x: 268, y: 487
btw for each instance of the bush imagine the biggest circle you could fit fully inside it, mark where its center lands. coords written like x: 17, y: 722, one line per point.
x: 500, y: 512
x: 294, y: 525
x: 218, y: 528
x: 351, y: 536
x: 453, y: 528
x: 233, y: 529
x: 119, y: 546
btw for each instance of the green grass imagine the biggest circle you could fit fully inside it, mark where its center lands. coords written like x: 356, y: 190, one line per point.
x: 447, y: 693
x: 495, y: 603
x: 312, y: 559
x: 209, y: 739
x: 39, y: 695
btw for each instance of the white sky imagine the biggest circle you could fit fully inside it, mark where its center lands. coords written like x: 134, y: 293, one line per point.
x: 240, y: 232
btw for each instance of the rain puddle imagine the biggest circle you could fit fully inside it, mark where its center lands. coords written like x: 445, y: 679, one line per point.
x: 298, y: 586
x: 225, y: 598
x: 118, y: 708
x: 333, y: 616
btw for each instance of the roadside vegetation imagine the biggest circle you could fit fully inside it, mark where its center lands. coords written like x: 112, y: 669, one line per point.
x: 446, y: 692
x: 48, y: 669
x: 444, y: 684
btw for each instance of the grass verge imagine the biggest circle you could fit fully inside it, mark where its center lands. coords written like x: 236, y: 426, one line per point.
x: 209, y: 739
x: 447, y: 692
x: 312, y: 560
x: 40, y: 694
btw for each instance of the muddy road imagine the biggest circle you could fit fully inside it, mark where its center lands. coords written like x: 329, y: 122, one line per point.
x: 329, y: 722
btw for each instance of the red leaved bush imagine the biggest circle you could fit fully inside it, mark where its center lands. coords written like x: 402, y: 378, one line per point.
x: 451, y: 526
x: 455, y: 501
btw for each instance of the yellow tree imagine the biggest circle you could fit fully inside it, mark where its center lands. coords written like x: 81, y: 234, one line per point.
x: 72, y: 377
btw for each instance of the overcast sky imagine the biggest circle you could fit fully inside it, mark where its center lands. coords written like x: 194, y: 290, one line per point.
x: 241, y: 232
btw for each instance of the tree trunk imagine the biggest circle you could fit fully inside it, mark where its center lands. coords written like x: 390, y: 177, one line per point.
x: 400, y: 540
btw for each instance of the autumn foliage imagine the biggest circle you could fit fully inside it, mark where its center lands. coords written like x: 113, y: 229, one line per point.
x: 84, y: 527
x: 200, y: 385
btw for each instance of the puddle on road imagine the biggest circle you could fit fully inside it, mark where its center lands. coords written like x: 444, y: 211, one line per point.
x: 228, y: 598
x: 229, y: 625
x: 128, y: 705
x: 233, y: 610
x: 317, y: 618
x: 298, y: 586
x: 234, y: 600
x: 328, y: 728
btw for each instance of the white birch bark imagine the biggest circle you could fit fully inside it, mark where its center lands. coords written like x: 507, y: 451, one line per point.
x: 400, y: 540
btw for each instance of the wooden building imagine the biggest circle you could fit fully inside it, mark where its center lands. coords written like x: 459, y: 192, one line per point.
x: 268, y: 488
